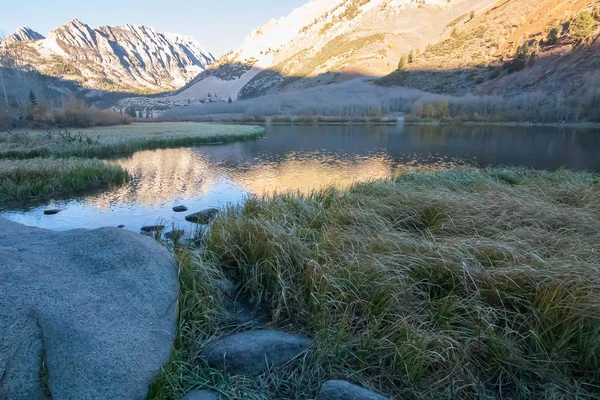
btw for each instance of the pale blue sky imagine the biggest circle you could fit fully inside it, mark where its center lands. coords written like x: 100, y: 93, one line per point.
x: 219, y: 25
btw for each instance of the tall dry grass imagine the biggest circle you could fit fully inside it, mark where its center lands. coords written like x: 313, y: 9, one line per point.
x: 459, y: 284
x: 46, y: 177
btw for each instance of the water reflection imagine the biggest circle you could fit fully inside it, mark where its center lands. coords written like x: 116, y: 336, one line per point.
x: 301, y: 159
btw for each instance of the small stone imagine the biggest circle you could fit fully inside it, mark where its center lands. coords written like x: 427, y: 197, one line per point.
x: 174, y: 234
x: 203, y: 217
x: 201, y: 395
x: 252, y: 352
x: 51, y: 212
x: 152, y: 228
x: 343, y: 390
x: 180, y: 209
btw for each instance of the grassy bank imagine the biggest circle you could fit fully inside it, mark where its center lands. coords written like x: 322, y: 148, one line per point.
x: 46, y: 177
x: 119, y: 140
x: 456, y: 284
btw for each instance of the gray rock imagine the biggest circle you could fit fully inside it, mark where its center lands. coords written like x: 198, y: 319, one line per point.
x: 180, y: 209
x: 343, y: 390
x: 101, y: 305
x: 202, y: 217
x: 52, y: 211
x: 201, y: 395
x: 250, y: 353
x: 174, y: 234
x: 121, y: 226
x: 153, y: 228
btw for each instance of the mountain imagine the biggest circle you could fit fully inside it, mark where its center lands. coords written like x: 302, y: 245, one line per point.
x: 319, y: 43
x: 22, y: 34
x: 539, y: 56
x: 124, y: 58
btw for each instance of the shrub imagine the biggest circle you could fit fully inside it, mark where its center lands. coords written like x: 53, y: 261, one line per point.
x: 581, y: 27
x: 78, y: 114
x: 553, y: 32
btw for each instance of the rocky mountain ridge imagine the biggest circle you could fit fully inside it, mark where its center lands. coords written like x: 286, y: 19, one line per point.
x: 320, y: 43
x: 123, y: 58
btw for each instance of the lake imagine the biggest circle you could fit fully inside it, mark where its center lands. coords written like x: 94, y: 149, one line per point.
x: 302, y: 158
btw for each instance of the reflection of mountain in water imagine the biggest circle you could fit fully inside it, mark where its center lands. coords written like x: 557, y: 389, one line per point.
x: 304, y: 158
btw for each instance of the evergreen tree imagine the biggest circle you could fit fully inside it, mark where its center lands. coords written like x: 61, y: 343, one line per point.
x: 229, y: 100
x: 402, y: 62
x: 581, y: 27
x: 209, y: 96
x: 32, y: 98
x: 472, y: 14
x: 411, y: 57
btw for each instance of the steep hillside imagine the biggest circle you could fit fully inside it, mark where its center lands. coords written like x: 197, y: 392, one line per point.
x: 516, y: 48
x: 320, y: 43
x: 125, y: 58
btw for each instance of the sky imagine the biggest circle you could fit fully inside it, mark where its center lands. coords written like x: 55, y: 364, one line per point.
x: 218, y: 25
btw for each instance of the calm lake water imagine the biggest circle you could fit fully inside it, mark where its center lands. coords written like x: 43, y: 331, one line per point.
x: 301, y: 158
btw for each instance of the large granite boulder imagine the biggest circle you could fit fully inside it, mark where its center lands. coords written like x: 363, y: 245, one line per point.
x: 98, y: 306
x: 343, y: 390
x: 252, y: 352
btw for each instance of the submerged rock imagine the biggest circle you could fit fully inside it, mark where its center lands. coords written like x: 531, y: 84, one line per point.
x: 152, y: 228
x: 52, y: 211
x: 176, y: 234
x: 99, y: 305
x: 201, y: 395
x: 251, y: 353
x: 180, y: 209
x: 343, y: 390
x: 203, y: 217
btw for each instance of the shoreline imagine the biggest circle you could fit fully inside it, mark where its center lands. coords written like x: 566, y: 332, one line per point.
x: 365, y: 121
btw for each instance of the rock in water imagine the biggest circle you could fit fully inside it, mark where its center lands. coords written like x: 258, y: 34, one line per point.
x: 250, y: 353
x: 176, y: 234
x: 201, y: 395
x: 101, y: 305
x: 342, y: 390
x: 203, y: 217
x: 180, y: 209
x: 153, y: 228
x: 52, y: 212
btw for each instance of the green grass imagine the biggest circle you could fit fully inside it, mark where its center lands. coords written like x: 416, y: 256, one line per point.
x: 46, y: 177
x: 120, y: 140
x: 460, y: 284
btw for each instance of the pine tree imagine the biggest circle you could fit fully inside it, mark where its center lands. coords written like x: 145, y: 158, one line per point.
x: 402, y: 62
x: 581, y: 27
x: 472, y: 14
x: 411, y: 57
x: 32, y: 98
x: 229, y: 100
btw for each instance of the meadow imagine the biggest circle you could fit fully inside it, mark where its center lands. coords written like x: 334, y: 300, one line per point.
x: 49, y: 162
x: 118, y: 140
x: 47, y: 177
x: 456, y: 284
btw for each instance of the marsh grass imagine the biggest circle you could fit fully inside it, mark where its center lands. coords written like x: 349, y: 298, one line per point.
x: 120, y: 140
x: 46, y: 177
x: 476, y: 284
